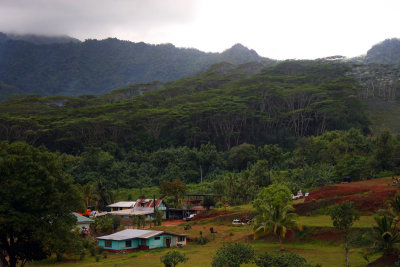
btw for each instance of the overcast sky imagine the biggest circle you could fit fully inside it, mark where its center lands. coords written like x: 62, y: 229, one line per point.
x: 279, y: 29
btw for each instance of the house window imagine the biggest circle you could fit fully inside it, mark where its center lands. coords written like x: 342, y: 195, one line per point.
x: 181, y: 238
x: 108, y: 243
x: 157, y: 238
x: 143, y: 242
x: 128, y: 243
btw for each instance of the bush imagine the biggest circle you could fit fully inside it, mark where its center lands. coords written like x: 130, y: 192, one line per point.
x: 97, y: 258
x: 172, y: 258
x: 100, y: 250
x: 92, y: 249
x: 282, y: 260
x: 233, y: 255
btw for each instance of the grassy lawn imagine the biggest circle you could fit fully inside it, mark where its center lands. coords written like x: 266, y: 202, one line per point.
x: 327, y: 253
x: 325, y: 221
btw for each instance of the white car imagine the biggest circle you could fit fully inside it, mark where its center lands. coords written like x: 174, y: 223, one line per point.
x: 190, y: 217
x: 236, y: 222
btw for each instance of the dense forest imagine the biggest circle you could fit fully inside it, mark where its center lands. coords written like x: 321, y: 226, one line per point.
x: 299, y: 123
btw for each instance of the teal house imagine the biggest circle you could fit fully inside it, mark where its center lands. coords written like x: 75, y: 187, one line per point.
x: 135, y: 239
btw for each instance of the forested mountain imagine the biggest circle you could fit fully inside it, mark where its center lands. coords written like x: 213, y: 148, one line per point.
x: 237, y: 127
x: 37, y: 65
x: 386, y: 52
x: 225, y: 106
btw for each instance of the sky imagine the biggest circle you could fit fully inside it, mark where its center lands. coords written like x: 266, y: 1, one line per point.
x: 279, y: 29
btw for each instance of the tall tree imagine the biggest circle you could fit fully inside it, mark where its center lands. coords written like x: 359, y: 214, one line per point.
x: 274, y: 212
x: 175, y: 189
x: 276, y: 219
x: 36, y: 202
x: 386, y: 236
x: 343, y: 216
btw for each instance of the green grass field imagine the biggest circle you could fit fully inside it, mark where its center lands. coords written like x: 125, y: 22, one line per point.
x: 327, y: 253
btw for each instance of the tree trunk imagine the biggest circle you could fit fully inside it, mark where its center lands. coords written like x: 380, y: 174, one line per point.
x: 347, y: 251
x: 280, y: 243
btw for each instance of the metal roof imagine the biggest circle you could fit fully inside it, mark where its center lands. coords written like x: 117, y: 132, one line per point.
x: 122, y: 204
x: 132, y: 212
x: 82, y: 219
x: 131, y: 233
x: 134, y: 233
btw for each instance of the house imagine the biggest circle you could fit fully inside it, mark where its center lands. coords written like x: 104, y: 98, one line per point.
x: 82, y: 222
x: 132, y: 212
x: 148, y: 205
x: 135, y: 239
x: 122, y: 205
x: 143, y: 203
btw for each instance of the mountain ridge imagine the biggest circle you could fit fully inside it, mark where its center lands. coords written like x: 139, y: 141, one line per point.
x: 99, y: 66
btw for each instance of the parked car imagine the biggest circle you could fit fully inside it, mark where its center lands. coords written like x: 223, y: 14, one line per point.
x: 93, y: 214
x: 236, y: 222
x: 190, y: 217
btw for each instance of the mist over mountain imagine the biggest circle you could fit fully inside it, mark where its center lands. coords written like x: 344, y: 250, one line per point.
x: 63, y: 65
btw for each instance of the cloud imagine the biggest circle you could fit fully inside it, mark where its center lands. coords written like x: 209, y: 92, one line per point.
x: 92, y: 18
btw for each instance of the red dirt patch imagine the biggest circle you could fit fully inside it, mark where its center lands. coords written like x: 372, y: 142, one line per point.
x: 172, y: 223
x: 368, y: 196
x: 205, y: 215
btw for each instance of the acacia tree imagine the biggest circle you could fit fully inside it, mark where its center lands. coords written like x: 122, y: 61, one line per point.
x: 36, y: 202
x: 343, y: 216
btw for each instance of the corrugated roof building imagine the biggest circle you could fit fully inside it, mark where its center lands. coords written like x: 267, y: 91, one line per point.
x: 135, y: 239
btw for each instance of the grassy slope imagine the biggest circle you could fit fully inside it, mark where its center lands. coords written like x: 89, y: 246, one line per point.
x: 384, y: 115
x: 328, y: 252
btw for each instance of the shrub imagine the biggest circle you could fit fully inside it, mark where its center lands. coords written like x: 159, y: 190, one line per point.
x: 233, y: 255
x: 173, y: 258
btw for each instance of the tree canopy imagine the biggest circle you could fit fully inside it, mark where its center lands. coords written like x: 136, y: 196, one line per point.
x: 37, y: 199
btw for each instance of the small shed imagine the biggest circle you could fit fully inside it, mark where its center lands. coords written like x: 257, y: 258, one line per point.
x: 135, y: 239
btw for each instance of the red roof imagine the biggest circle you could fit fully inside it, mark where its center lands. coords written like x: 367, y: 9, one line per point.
x: 148, y: 202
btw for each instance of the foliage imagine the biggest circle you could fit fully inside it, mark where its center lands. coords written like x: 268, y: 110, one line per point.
x: 208, y: 202
x: 271, y: 196
x: 37, y: 199
x: 175, y: 189
x: 281, y: 260
x: 386, y: 236
x: 343, y: 216
x: 233, y: 255
x: 158, y: 216
x: 173, y: 258
x: 275, y: 219
x: 103, y: 224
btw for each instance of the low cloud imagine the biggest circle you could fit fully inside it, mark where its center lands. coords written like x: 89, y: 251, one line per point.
x: 92, y: 18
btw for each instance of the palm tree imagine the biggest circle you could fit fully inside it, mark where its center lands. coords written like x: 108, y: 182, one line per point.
x: 276, y: 219
x: 394, y: 208
x: 386, y: 236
